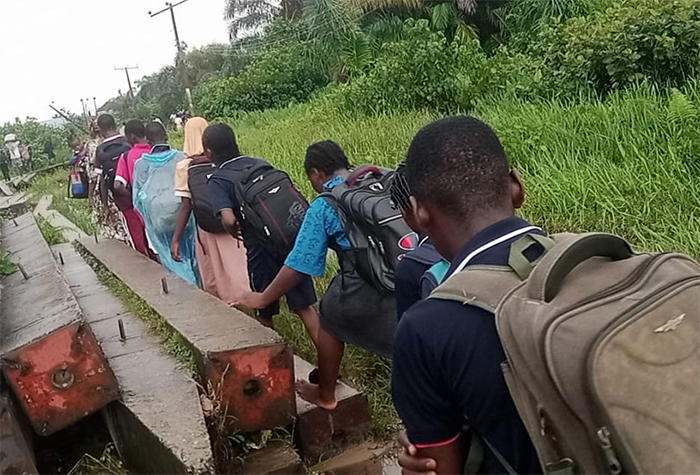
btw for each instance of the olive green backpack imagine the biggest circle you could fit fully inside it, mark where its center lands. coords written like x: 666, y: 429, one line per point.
x: 602, y: 348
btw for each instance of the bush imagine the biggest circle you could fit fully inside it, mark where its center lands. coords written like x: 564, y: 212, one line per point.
x: 282, y: 75
x: 421, y: 70
x: 657, y: 41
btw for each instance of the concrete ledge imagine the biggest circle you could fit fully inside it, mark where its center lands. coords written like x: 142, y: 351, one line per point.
x: 158, y: 426
x: 247, y: 365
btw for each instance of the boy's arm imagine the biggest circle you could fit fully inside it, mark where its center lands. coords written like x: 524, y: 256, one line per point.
x: 183, y: 215
x: 229, y: 222
x: 307, y: 258
x: 423, y: 400
x: 287, y: 278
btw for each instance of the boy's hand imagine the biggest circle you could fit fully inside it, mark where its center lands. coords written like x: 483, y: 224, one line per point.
x: 252, y: 300
x: 410, y: 463
x: 175, y: 251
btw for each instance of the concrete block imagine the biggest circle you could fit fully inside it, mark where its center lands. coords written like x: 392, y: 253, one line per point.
x: 51, y: 359
x: 322, y: 433
x: 16, y: 454
x: 158, y: 425
x: 250, y: 367
x: 277, y: 458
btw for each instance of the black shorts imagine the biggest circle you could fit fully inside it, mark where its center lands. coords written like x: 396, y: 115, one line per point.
x: 263, y: 269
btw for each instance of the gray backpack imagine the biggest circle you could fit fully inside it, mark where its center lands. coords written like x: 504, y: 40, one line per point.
x: 603, y: 351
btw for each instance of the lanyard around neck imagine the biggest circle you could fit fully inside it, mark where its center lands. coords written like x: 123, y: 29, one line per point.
x: 490, y: 244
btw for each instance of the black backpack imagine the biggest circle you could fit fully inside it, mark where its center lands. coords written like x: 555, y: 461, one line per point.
x: 107, y: 156
x: 271, y: 208
x: 379, y: 236
x: 198, y: 181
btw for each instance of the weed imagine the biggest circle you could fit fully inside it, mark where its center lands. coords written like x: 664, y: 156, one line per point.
x: 108, y: 464
x: 52, y: 234
x: 7, y: 267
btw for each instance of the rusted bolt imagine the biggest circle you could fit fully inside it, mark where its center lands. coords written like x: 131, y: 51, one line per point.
x: 122, y: 333
x: 24, y: 272
x: 63, y: 378
x: 164, y: 284
x: 252, y: 387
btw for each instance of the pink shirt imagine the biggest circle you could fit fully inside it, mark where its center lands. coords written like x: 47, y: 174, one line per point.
x: 125, y: 168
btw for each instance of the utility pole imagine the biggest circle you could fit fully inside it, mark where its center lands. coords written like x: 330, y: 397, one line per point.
x: 94, y: 103
x: 128, y: 79
x: 178, y: 62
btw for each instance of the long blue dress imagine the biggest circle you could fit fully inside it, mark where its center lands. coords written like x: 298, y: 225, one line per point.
x: 154, y: 197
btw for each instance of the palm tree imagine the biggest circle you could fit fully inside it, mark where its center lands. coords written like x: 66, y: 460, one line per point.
x: 252, y: 14
x: 466, y: 6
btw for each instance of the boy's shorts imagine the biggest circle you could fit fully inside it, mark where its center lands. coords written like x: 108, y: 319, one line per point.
x: 263, y: 269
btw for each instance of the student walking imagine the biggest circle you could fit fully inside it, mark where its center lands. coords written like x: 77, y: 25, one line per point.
x: 123, y: 184
x: 234, y: 177
x: 154, y: 174
x: 422, y: 269
x: 221, y: 258
x: 353, y: 310
x: 447, y: 355
x: 104, y: 164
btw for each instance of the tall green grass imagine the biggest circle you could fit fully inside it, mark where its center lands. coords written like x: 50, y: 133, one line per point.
x: 628, y: 165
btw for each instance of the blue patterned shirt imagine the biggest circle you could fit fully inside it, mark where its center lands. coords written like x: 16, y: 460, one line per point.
x: 321, y: 224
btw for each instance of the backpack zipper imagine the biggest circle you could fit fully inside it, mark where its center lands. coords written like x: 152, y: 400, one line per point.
x: 608, y: 451
x: 389, y: 219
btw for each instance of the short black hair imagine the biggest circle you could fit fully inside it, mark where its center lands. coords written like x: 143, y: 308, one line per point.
x: 458, y: 164
x: 398, y: 190
x: 106, y: 122
x: 325, y: 156
x: 135, y: 128
x: 155, y: 133
x: 221, y: 140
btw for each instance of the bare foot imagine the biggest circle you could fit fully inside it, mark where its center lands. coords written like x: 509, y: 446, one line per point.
x: 310, y: 393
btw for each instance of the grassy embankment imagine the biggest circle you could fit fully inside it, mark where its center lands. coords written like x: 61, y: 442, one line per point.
x: 627, y: 165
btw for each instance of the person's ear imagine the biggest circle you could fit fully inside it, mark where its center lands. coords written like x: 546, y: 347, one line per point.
x: 419, y: 216
x: 209, y: 154
x: 517, y: 189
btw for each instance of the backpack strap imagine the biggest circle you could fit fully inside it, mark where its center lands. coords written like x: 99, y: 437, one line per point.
x: 485, y: 286
x: 362, y: 171
x: 547, y: 278
x: 480, y: 286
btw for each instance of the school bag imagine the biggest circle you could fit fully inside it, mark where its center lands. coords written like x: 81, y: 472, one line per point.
x: 602, y: 348
x: 108, y: 155
x: 426, y: 254
x: 198, y: 181
x: 271, y: 209
x: 379, y: 236
x: 78, y: 184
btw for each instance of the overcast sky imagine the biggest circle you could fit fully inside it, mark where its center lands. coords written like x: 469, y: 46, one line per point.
x: 65, y: 50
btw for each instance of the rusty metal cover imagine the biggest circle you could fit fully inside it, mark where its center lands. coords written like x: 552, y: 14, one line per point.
x: 60, y: 378
x: 258, y: 385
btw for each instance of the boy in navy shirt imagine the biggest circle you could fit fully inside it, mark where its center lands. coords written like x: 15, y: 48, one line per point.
x: 447, y: 356
x: 351, y: 310
x: 420, y: 270
x: 221, y: 148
